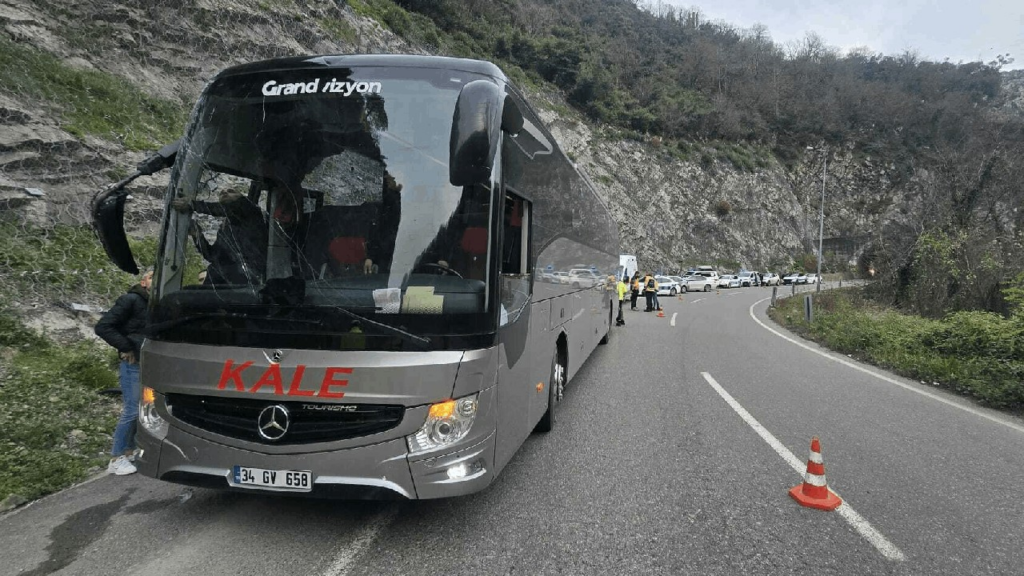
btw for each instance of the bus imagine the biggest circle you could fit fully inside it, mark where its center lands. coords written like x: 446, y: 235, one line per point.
x: 347, y: 299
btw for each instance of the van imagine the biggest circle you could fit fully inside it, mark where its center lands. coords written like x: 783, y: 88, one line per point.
x: 627, y: 266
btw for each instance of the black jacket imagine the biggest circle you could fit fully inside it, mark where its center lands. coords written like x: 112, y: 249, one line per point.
x: 123, y: 325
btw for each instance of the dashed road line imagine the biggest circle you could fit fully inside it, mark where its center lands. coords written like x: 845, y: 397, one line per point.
x: 673, y: 321
x: 858, y: 522
x: 883, y: 377
x: 697, y: 300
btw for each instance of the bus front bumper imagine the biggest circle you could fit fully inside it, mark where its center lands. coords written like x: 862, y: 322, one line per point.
x: 378, y: 471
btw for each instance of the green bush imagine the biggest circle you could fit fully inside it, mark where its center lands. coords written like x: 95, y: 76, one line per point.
x: 977, y: 354
x: 54, y: 428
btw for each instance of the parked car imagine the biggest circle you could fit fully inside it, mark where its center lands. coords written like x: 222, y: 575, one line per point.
x: 728, y: 281
x: 583, y: 278
x: 791, y: 278
x: 801, y: 279
x: 771, y: 279
x: 812, y: 279
x: 748, y: 278
x: 698, y: 283
x: 667, y: 286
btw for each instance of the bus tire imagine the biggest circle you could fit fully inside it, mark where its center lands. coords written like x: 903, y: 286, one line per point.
x: 556, y: 387
x: 608, y: 334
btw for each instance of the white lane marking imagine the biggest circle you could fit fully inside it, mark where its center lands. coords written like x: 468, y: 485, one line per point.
x: 862, y: 526
x: 697, y: 300
x: 673, y: 321
x: 345, y: 558
x: 883, y: 377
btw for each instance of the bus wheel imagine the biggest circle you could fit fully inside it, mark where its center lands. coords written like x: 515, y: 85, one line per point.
x: 556, y: 387
x: 608, y: 334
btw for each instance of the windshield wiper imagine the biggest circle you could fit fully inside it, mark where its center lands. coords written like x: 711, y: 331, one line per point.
x: 154, y: 329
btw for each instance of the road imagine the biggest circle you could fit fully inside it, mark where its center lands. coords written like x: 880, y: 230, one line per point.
x: 674, y: 451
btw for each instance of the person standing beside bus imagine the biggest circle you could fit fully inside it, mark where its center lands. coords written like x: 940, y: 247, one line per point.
x: 650, y: 289
x: 620, y: 288
x: 634, y: 289
x: 122, y: 327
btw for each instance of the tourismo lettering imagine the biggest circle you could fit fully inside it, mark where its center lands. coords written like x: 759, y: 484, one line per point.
x: 272, y: 88
x: 231, y: 376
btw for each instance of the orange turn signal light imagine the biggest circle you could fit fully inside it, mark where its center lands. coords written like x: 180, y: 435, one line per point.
x: 442, y: 409
x: 148, y: 396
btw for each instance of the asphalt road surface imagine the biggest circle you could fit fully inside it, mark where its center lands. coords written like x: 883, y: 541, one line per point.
x: 674, y: 452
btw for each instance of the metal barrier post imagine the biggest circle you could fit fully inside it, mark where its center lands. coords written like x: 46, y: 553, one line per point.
x: 809, y: 308
x: 775, y: 292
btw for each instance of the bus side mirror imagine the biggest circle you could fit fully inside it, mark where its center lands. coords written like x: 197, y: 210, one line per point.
x: 481, y: 113
x: 107, y: 209
x: 108, y: 221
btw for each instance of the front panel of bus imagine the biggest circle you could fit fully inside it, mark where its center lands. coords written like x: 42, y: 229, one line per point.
x: 322, y: 290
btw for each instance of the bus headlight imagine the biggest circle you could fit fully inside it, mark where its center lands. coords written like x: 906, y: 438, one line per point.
x: 148, y: 417
x: 447, y: 423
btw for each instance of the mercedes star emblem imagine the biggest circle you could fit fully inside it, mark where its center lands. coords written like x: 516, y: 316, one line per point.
x: 273, y: 422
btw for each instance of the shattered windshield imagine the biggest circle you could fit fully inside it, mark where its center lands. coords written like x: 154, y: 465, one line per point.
x: 303, y: 191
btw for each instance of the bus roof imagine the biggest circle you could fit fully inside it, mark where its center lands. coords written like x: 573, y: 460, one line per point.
x: 355, y: 60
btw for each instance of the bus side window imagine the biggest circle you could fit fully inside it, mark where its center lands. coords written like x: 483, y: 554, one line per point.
x: 515, y: 257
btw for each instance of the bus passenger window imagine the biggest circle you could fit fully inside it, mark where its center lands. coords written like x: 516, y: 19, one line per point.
x: 515, y: 263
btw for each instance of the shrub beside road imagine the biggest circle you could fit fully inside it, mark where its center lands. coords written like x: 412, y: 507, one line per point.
x: 977, y: 354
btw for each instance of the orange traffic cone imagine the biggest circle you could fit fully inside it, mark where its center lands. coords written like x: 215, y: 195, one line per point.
x: 661, y: 313
x: 814, y: 492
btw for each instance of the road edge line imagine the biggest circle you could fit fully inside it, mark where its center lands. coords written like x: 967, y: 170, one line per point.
x: 858, y: 522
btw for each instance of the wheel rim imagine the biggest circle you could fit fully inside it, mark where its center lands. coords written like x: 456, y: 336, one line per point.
x: 558, y: 381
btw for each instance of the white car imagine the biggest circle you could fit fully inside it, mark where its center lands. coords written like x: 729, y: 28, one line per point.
x: 748, y: 278
x: 771, y: 279
x: 792, y: 278
x: 812, y: 279
x: 728, y: 281
x: 583, y: 278
x: 667, y: 286
x: 698, y: 283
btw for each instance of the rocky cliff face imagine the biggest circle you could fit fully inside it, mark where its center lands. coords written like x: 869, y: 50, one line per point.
x: 673, y: 212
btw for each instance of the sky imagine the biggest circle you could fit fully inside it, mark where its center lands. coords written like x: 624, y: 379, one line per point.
x: 934, y: 29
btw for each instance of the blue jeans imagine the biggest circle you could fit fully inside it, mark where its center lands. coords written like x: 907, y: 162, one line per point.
x: 124, y: 432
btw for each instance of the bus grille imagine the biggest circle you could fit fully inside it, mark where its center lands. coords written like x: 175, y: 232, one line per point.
x: 238, y: 418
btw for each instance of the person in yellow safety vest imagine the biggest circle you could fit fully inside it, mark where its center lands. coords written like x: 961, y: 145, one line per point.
x: 635, y: 289
x: 650, y: 287
x: 621, y: 289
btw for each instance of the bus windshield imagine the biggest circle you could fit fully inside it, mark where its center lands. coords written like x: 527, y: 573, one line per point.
x: 312, y: 208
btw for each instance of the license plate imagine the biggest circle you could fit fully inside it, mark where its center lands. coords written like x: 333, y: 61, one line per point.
x: 298, y: 480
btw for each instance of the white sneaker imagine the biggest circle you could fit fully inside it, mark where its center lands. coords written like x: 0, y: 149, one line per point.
x: 120, y: 466
x: 134, y: 454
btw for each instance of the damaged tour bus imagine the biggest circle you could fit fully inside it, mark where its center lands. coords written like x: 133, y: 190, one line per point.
x: 347, y: 297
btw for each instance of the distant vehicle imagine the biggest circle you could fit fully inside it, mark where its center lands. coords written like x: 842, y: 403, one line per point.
x: 667, y: 286
x: 748, y: 278
x: 583, y: 278
x: 728, y: 281
x: 791, y: 278
x: 801, y: 279
x: 560, y: 277
x: 679, y: 281
x: 627, y: 266
x: 698, y: 283
x: 771, y: 279
x: 812, y: 279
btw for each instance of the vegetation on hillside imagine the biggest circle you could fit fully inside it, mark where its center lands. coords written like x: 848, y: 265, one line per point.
x: 90, y: 103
